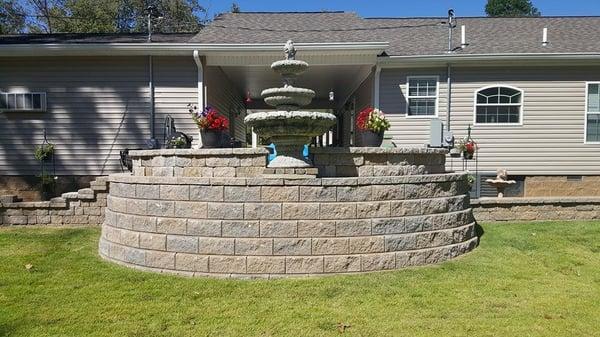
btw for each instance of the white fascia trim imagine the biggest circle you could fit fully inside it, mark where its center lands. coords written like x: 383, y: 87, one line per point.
x: 182, y: 48
x: 391, y: 61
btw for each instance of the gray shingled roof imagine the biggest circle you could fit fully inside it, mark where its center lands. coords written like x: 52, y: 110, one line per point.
x: 77, y: 38
x: 409, y: 36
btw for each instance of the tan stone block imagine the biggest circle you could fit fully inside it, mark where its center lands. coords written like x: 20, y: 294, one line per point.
x: 281, y: 229
x: 215, y: 161
x: 153, y: 241
x: 329, y: 246
x: 117, y: 204
x: 291, y: 246
x: 338, y: 210
x: 224, y: 171
x: 341, y: 264
x: 268, y: 211
x: 242, y: 193
x: 433, y: 206
x: 92, y: 211
x: 304, y: 265
x: 300, y: 211
x: 316, y: 228
x: 206, y: 193
x: 191, y: 209
x: 182, y: 244
x: 197, y: 172
x: 253, y: 246
x: 405, y: 208
x: 171, y: 225
x: 280, y: 193
x: 384, y: 261
x: 353, y: 227
x: 163, y: 260
x: 174, y: 192
x: 160, y: 208
x: 353, y: 193
x: 141, y: 223
x: 240, y: 229
x: 317, y: 193
x: 128, y: 238
x: 364, y: 245
x: 265, y: 265
x: 191, y: 262
x: 227, y: 264
x: 375, y: 209
x: 226, y: 211
x: 216, y: 246
x: 389, y: 226
x: 388, y: 192
x: 202, y: 227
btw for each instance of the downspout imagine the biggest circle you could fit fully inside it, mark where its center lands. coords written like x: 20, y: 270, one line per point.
x: 376, y: 87
x: 449, y: 95
x: 151, y: 87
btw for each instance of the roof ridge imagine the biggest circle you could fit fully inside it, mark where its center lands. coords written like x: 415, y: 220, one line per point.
x: 294, y: 12
x: 482, y: 17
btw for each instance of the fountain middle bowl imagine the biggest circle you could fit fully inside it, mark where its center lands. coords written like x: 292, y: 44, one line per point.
x: 288, y: 97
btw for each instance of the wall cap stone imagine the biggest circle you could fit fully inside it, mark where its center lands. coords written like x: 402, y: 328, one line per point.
x: 197, y: 152
x: 377, y: 150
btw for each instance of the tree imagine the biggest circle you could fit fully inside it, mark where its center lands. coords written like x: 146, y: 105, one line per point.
x: 12, y: 17
x: 114, y: 16
x: 511, y: 8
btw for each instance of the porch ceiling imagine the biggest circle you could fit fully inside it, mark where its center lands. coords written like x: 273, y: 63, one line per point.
x: 341, y: 79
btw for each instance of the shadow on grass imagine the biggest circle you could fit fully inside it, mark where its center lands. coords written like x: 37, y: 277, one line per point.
x: 479, y: 231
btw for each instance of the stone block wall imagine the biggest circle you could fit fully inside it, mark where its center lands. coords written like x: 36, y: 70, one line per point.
x: 562, y: 186
x: 275, y: 227
x: 536, y: 209
x: 376, y: 162
x: 225, y: 163
x: 84, y: 207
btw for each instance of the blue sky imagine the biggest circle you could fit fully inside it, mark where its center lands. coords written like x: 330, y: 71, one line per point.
x: 396, y: 8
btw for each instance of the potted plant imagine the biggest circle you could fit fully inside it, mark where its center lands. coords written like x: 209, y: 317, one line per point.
x: 371, y: 124
x: 179, y: 140
x: 468, y: 147
x: 44, y: 152
x: 212, y: 125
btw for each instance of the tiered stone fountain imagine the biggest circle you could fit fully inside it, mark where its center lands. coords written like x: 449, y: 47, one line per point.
x: 288, y: 127
x: 214, y: 212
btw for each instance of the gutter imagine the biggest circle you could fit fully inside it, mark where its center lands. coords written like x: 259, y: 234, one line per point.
x: 181, y: 48
x: 391, y: 61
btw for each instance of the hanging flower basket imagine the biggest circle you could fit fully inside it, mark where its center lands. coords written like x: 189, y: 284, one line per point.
x: 213, y: 127
x: 44, y: 152
x: 371, y: 124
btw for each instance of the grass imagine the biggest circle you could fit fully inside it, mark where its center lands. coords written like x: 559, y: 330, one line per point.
x: 538, y: 279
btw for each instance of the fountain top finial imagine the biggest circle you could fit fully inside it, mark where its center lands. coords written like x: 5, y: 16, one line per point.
x: 289, y: 50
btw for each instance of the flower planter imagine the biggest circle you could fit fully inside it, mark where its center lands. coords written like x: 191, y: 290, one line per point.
x: 212, y: 138
x: 468, y: 155
x: 370, y: 138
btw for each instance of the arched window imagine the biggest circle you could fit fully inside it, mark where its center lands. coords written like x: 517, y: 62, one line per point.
x: 498, y: 105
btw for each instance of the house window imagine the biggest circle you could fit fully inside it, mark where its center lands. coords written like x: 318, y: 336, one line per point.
x: 422, y: 98
x: 27, y: 101
x: 592, y: 132
x: 498, y: 105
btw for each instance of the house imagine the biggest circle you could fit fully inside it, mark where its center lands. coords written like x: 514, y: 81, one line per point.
x: 529, y: 88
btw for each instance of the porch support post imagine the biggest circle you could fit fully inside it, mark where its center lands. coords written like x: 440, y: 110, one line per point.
x: 151, y: 88
x: 449, y: 97
x: 201, y: 88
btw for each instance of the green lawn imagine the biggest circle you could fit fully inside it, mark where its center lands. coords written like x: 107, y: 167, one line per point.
x: 538, y: 279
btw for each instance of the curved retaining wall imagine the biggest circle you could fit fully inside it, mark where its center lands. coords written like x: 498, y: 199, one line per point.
x: 258, y: 227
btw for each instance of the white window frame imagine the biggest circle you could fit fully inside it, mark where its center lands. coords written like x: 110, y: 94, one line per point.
x: 520, y: 105
x: 587, y: 112
x: 42, y: 101
x: 436, y: 97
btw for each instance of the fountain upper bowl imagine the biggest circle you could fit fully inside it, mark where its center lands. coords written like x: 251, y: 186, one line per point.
x: 287, y: 98
x: 289, y: 67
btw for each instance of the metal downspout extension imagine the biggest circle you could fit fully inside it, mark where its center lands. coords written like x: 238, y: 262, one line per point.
x: 151, y: 87
x: 449, y: 96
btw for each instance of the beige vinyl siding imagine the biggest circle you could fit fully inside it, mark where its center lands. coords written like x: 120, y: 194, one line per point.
x: 223, y: 95
x: 551, y: 139
x: 175, y: 86
x: 96, y: 106
x: 393, y: 92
